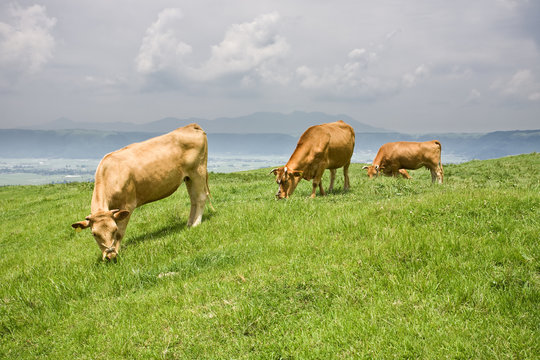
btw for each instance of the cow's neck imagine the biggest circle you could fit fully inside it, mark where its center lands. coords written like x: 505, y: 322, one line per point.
x: 296, y: 163
x: 377, y: 161
x: 299, y: 161
x: 99, y: 202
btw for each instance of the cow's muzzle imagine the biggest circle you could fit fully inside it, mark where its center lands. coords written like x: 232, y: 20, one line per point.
x: 279, y: 195
x: 111, y: 256
x: 110, y: 252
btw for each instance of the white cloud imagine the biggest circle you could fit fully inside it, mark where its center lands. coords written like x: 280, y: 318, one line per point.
x: 523, y: 85
x: 160, y: 48
x: 247, y: 47
x: 356, y: 78
x: 249, y: 50
x: 474, y: 97
x: 269, y: 73
x: 346, y: 82
x: 411, y: 79
x: 519, y: 82
x: 104, y: 83
x: 338, y: 78
x: 27, y: 43
x: 512, y: 4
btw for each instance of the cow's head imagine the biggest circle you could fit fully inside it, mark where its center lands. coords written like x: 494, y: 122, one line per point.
x: 105, y: 230
x: 287, y: 179
x: 372, y: 171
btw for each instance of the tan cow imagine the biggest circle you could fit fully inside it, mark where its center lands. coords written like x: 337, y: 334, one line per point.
x: 144, y: 172
x: 397, y: 157
x: 321, y: 147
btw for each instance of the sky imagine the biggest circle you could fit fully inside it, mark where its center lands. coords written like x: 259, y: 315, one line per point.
x: 414, y: 66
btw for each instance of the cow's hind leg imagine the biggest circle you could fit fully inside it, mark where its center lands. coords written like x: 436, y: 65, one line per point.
x: 196, y: 187
x: 436, y: 173
x: 440, y: 173
x: 346, y: 184
x: 433, y: 175
x: 332, y: 178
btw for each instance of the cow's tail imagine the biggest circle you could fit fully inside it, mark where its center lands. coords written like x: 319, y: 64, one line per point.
x: 438, y: 143
x: 208, y: 194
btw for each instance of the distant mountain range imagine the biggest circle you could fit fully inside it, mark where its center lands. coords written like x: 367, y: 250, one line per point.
x: 261, y: 133
x: 294, y: 123
x: 87, y: 144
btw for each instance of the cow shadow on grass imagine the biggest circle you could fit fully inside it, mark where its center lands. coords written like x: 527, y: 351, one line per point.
x: 339, y: 191
x: 174, y: 225
x: 164, y: 230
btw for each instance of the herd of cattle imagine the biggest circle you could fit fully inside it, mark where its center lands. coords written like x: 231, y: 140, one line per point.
x: 153, y: 169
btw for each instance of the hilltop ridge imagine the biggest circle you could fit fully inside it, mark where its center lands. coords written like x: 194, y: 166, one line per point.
x: 293, y: 123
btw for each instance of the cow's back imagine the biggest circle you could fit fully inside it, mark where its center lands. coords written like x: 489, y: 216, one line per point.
x: 409, y: 154
x: 330, y: 145
x: 152, y: 169
x: 341, y: 143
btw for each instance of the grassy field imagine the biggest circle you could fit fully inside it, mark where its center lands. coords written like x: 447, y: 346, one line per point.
x: 391, y: 269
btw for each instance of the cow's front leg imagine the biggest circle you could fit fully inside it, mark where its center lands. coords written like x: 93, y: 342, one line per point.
x: 317, y: 181
x: 321, y: 189
x: 122, y: 225
x: 314, y: 190
x: 405, y: 174
x: 196, y: 186
x: 332, y: 178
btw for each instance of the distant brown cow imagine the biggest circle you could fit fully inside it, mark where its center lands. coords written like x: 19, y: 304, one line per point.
x: 397, y: 157
x: 144, y: 172
x: 321, y: 147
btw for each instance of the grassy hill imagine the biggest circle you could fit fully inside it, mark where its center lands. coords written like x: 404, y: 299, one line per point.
x: 391, y: 269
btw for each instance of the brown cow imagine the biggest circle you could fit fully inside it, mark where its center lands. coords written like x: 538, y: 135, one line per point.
x: 397, y: 157
x: 321, y: 147
x: 144, y: 172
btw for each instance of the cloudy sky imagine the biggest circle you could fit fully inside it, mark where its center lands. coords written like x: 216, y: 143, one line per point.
x: 412, y: 66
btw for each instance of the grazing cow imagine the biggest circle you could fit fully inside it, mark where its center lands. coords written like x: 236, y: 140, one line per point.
x: 144, y: 172
x: 321, y: 147
x: 397, y: 157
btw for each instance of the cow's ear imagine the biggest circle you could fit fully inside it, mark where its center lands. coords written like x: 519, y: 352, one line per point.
x: 297, y: 173
x: 273, y: 171
x: 81, y: 225
x: 120, y: 214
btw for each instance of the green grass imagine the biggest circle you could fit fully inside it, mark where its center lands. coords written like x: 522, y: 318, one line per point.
x: 391, y: 269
